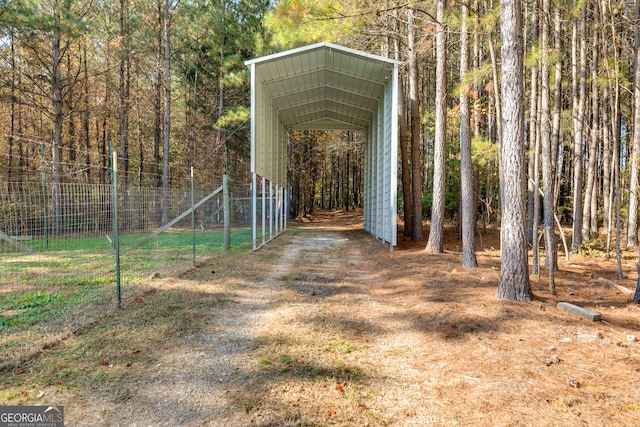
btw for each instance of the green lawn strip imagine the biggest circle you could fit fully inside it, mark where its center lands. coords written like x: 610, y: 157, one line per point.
x: 52, y: 284
x: 176, y: 239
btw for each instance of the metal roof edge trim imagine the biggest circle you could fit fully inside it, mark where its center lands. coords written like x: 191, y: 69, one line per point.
x: 319, y: 45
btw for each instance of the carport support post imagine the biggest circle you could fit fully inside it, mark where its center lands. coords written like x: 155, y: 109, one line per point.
x: 279, y: 209
x: 227, y: 213
x: 283, y: 211
x: 270, y: 210
x: 254, y: 212
x: 254, y: 194
x: 264, y: 211
x: 274, y: 211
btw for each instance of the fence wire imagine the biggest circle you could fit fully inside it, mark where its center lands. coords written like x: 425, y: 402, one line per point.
x: 57, y: 245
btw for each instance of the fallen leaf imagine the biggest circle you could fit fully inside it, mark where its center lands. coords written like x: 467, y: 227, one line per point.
x: 552, y: 360
x: 21, y: 371
x: 23, y: 393
x: 136, y: 351
x: 340, y: 388
x: 331, y: 412
x: 104, y: 363
x: 573, y: 382
x: 139, y: 300
x: 129, y: 364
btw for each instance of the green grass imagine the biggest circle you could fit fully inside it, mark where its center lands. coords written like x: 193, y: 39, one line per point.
x: 77, y: 261
x: 32, y: 309
x: 45, y: 288
x: 176, y: 240
x: 341, y: 346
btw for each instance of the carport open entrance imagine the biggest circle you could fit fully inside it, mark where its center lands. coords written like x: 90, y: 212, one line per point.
x: 323, y: 87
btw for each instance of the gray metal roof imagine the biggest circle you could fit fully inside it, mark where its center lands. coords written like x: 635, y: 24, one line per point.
x: 323, y: 86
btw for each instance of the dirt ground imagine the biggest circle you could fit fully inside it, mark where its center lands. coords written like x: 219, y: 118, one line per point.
x: 326, y: 326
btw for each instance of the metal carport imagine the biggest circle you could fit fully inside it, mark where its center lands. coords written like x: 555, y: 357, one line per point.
x: 328, y: 87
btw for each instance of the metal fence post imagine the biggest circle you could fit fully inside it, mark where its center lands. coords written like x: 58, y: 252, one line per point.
x: 193, y: 222
x: 227, y: 213
x: 44, y: 199
x: 116, y: 240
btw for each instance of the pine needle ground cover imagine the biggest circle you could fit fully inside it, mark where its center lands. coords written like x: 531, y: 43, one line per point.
x: 324, y: 326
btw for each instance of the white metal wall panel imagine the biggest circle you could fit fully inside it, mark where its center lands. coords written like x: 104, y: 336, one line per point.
x: 284, y: 155
x: 389, y: 228
x: 367, y: 184
x: 391, y: 106
x: 379, y: 174
x: 373, y: 148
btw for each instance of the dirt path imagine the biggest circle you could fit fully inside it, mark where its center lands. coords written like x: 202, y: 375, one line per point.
x: 213, y: 376
x: 324, y: 326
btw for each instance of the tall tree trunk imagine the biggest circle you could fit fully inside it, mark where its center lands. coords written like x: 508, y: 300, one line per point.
x: 123, y: 96
x: 591, y: 183
x: 496, y: 87
x: 104, y: 144
x: 346, y: 181
x: 404, y: 138
x: 498, y: 107
x: 533, y: 130
x: 616, y: 174
x: 167, y: 112
x: 616, y: 134
x: 157, y: 100
x: 85, y: 114
x: 435, y: 244
x: 606, y: 159
x: 609, y: 121
x: 221, y: 88
x: 12, y: 128
x: 56, y: 146
x: 547, y: 159
x: 579, y: 75
x: 556, y: 144
x: 632, y: 223
x: 514, y: 271
x: 536, y: 207
x: 140, y: 137
x: 467, y: 192
x: 414, y: 103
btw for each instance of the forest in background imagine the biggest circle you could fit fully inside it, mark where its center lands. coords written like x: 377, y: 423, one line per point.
x: 161, y: 82
x: 164, y: 84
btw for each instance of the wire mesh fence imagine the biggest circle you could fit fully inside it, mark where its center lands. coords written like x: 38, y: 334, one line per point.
x: 61, y: 252
x: 40, y: 219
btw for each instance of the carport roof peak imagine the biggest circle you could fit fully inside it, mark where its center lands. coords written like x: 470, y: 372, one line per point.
x: 322, y: 86
x: 321, y: 45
